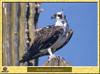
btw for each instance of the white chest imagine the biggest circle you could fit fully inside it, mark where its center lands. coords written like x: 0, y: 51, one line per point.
x: 58, y: 23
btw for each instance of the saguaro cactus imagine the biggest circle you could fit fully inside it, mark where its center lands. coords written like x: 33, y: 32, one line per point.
x: 18, y: 30
x: 8, y: 43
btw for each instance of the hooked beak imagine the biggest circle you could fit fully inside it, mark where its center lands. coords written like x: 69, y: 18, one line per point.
x: 53, y: 17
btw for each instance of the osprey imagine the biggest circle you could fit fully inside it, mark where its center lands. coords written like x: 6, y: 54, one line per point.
x: 49, y: 39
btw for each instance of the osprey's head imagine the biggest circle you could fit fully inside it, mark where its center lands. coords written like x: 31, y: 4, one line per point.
x: 58, y: 15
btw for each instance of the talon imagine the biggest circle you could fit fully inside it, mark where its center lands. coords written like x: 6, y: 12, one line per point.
x: 51, y: 57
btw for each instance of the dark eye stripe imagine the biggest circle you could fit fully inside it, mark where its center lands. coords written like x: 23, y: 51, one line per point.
x: 59, y: 16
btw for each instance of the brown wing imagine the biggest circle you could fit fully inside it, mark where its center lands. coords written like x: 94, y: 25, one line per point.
x: 46, y: 37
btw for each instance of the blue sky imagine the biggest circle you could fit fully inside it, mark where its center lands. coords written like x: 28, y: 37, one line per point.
x: 82, y: 18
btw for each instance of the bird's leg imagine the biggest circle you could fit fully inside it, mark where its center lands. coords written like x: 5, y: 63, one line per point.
x: 51, y: 54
